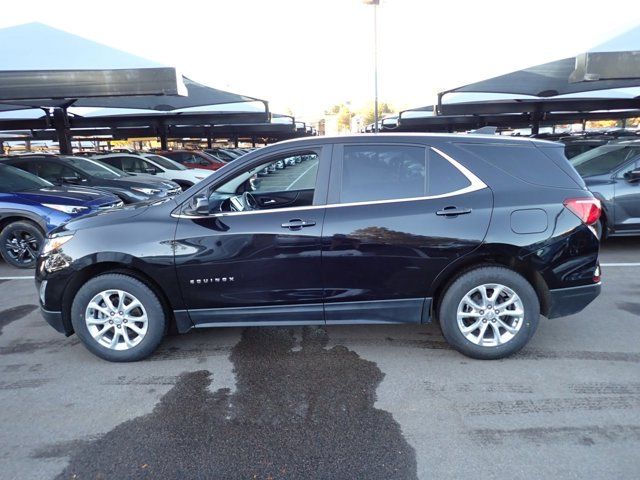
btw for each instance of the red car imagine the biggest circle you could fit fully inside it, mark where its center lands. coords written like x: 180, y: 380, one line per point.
x: 193, y: 158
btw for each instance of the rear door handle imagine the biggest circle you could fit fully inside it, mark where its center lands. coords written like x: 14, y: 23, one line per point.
x: 453, y: 211
x: 297, y: 224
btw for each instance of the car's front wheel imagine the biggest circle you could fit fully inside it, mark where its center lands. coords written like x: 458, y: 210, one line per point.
x: 20, y: 244
x: 489, y: 313
x: 118, y: 318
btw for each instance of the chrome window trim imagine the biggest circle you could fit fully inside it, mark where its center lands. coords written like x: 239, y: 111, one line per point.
x: 475, y: 185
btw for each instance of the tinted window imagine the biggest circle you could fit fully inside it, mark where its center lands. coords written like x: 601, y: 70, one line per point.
x: 166, y: 163
x: 134, y: 165
x: 54, y: 171
x: 93, y: 168
x: 443, y: 176
x: 525, y: 162
x: 605, y: 159
x: 16, y: 180
x: 383, y: 173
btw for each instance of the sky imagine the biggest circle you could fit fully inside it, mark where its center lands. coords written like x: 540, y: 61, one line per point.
x: 304, y: 56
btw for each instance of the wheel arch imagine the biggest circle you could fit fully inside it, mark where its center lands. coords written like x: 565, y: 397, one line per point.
x: 485, y: 259
x: 10, y: 216
x: 96, y: 269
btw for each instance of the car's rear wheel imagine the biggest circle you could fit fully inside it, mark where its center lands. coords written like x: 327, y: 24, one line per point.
x: 489, y: 313
x: 118, y: 318
x: 20, y: 244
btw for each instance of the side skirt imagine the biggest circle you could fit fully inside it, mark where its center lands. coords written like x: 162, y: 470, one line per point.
x: 412, y: 310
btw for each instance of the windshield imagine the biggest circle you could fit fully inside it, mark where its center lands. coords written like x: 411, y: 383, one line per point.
x: 16, y: 180
x: 165, y: 162
x: 604, y: 159
x: 94, y: 168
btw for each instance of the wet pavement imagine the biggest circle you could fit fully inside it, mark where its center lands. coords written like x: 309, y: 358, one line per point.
x: 389, y: 402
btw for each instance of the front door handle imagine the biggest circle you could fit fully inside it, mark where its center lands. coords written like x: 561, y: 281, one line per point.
x: 297, y: 224
x: 453, y: 211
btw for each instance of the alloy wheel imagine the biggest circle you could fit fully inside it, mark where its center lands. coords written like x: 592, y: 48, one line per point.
x: 22, y: 246
x: 116, y: 319
x: 490, y: 315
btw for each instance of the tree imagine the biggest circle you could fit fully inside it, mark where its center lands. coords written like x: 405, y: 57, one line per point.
x: 368, y: 115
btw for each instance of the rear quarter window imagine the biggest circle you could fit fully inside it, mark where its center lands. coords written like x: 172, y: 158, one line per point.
x: 525, y: 162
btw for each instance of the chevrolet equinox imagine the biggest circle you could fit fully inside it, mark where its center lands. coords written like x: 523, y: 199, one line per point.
x: 480, y: 233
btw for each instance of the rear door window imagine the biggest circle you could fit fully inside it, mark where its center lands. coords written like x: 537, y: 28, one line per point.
x: 396, y: 172
x: 383, y: 172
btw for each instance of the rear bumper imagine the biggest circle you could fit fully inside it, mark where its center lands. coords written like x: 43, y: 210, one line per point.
x: 567, y: 301
x: 55, y: 320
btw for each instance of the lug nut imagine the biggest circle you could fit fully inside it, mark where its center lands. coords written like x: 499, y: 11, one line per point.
x: 125, y: 320
x: 489, y: 307
x: 481, y: 312
x: 493, y: 320
x: 113, y: 313
x: 484, y: 320
x: 111, y: 322
x: 497, y: 312
x: 120, y: 313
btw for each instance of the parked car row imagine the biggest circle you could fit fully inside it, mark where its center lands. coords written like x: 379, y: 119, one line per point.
x: 612, y: 173
x: 282, y: 164
x: 39, y: 192
x: 155, y: 164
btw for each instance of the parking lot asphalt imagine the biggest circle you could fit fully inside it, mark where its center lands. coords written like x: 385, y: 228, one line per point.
x: 340, y: 402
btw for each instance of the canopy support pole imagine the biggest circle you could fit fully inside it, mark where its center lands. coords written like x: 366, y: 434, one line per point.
x: 1, y: 147
x: 253, y: 142
x: 61, y: 124
x: 235, y: 142
x: 209, y: 142
x: 163, y: 137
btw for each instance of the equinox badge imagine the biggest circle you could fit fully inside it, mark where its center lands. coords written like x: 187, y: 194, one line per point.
x: 205, y: 281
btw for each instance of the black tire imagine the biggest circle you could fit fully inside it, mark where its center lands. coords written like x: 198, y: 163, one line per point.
x: 28, y: 239
x: 447, y: 312
x: 156, y: 317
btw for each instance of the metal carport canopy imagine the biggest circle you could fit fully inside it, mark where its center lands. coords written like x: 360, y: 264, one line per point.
x: 43, y: 67
x: 614, y: 64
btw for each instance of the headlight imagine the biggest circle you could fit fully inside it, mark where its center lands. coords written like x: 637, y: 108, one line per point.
x: 69, y: 209
x: 53, y: 244
x: 146, y: 191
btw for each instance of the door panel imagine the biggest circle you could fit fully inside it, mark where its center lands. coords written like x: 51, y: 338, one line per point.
x: 395, y: 250
x: 257, y: 266
x: 382, y: 251
x: 249, y: 260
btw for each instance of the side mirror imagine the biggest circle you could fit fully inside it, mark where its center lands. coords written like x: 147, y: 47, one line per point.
x: 199, y: 206
x: 71, y: 180
x: 632, y: 176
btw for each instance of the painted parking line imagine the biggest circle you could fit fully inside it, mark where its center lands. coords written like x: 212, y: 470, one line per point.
x: 17, y: 278
x: 635, y: 264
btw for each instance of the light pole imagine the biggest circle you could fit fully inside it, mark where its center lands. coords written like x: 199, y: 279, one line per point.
x: 375, y: 4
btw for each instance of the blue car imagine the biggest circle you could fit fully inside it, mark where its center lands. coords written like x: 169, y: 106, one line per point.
x: 31, y: 206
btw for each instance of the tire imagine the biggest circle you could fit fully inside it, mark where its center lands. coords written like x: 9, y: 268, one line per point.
x: 141, y: 345
x: 27, y: 238
x: 496, y: 341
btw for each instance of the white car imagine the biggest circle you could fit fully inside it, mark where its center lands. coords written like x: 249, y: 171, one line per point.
x: 152, y: 164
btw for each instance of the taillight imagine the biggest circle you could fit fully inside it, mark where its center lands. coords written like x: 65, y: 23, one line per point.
x: 586, y: 209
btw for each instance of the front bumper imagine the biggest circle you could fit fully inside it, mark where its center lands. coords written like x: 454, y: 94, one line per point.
x: 55, y: 320
x: 567, y: 301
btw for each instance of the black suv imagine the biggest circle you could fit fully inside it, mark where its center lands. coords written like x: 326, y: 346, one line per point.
x: 69, y: 170
x: 612, y: 173
x: 371, y: 229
